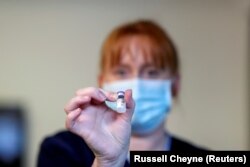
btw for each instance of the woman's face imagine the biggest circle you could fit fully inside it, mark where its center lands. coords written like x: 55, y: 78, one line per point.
x: 134, y: 64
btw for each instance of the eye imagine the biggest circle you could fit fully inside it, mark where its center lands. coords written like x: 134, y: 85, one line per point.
x: 152, y: 73
x: 121, y: 72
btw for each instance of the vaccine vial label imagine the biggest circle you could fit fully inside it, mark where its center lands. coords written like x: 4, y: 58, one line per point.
x: 121, y: 106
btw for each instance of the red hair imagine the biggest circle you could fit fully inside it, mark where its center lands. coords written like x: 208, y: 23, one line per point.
x: 162, y: 48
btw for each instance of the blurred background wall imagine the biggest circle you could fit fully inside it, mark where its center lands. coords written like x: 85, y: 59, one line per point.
x: 49, y: 49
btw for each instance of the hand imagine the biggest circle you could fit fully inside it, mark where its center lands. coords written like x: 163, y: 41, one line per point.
x: 105, y: 131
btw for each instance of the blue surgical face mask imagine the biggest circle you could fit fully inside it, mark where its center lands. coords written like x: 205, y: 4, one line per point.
x: 152, y: 98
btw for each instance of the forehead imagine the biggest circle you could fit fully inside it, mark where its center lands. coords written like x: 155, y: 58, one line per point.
x: 136, y: 50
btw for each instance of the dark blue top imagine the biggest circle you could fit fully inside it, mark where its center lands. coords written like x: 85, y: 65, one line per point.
x: 66, y: 149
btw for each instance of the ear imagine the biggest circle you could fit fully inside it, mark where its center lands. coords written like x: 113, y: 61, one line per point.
x: 175, y: 86
x: 100, y: 80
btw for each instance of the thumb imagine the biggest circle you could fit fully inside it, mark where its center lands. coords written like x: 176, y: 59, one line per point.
x: 130, y: 103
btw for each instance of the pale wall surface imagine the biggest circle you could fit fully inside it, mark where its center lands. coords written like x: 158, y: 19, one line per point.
x: 50, y: 49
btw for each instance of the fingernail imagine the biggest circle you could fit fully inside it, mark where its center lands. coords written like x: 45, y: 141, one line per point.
x: 113, y: 95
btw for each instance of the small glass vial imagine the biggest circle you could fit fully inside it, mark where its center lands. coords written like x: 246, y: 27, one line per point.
x: 120, y: 103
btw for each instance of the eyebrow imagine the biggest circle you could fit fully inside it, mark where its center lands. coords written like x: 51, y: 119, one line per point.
x: 122, y: 66
x: 147, y: 65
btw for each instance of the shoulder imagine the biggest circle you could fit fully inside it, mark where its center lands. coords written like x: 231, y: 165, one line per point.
x: 64, y: 148
x: 182, y: 145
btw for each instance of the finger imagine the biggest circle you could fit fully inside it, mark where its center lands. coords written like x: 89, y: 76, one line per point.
x: 130, y: 104
x: 111, y: 96
x: 71, y: 117
x: 93, y: 93
x: 76, y: 102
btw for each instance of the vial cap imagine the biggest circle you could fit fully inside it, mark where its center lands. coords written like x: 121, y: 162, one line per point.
x: 120, y: 94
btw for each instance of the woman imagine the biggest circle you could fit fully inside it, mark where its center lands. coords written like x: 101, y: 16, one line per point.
x: 140, y: 59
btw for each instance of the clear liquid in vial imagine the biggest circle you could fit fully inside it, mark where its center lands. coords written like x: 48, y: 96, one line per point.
x: 120, y: 103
